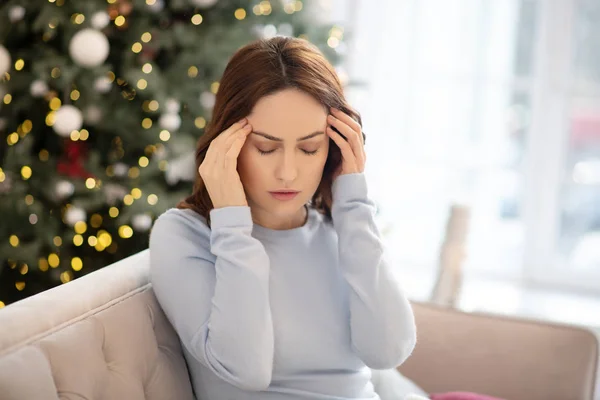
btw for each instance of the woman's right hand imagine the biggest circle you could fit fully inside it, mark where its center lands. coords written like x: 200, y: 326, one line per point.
x: 219, y: 168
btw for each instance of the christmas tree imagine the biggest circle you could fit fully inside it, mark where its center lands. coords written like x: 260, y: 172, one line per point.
x: 101, y: 105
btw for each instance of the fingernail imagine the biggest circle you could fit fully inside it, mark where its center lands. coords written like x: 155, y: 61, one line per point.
x: 242, y: 120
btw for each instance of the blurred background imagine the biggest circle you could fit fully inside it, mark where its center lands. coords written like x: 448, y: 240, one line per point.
x: 482, y: 120
x: 484, y: 123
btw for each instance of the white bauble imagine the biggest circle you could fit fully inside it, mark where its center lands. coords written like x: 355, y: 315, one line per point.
x: 102, y: 84
x: 172, y: 106
x: 74, y: 214
x: 181, y: 169
x: 114, y: 193
x: 170, y: 122
x: 92, y: 115
x: 4, y: 60
x: 207, y: 99
x: 204, y: 3
x: 67, y: 119
x: 120, y: 169
x: 89, y: 48
x: 141, y: 222
x: 157, y: 6
x: 16, y: 13
x: 100, y: 20
x: 286, y: 29
x: 64, y: 189
x: 38, y: 88
x: 269, y: 31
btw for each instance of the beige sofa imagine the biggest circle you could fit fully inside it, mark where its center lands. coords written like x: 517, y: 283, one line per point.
x: 104, y: 336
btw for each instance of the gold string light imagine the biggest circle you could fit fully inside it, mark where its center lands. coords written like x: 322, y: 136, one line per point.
x: 76, y: 264
x: 240, y: 14
x: 164, y: 135
x: 143, y: 162
x: 200, y: 122
x: 153, y: 105
x: 78, y: 240
x: 43, y: 264
x: 193, y: 71
x: 26, y: 172
x: 152, y: 199
x: 66, y: 276
x: 196, y: 19
x: 125, y: 231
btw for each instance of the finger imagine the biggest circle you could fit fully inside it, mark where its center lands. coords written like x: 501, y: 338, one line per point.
x: 344, y: 146
x: 220, y: 147
x: 230, y: 159
x: 231, y: 130
x: 241, y: 132
x: 349, y: 133
x: 347, y: 119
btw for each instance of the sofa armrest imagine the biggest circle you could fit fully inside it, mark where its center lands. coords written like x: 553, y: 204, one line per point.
x: 501, y: 356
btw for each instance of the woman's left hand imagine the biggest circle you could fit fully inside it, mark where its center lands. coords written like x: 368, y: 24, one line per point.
x: 353, y: 148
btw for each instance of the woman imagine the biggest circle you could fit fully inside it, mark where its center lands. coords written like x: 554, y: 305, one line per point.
x: 272, y: 271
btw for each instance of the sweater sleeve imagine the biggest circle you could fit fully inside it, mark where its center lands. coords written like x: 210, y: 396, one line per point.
x: 382, y: 324
x: 213, y: 285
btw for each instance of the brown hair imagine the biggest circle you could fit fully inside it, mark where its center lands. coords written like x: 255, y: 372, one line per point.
x: 262, y: 68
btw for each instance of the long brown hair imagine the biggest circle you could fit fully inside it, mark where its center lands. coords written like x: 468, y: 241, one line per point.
x: 262, y: 68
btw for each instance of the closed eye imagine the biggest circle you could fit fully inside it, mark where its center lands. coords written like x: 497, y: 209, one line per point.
x: 307, y: 152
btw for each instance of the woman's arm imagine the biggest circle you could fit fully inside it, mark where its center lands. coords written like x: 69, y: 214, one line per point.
x: 219, y: 302
x: 382, y: 323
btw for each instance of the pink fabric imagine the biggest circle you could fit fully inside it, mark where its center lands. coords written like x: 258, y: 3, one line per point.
x: 461, y: 396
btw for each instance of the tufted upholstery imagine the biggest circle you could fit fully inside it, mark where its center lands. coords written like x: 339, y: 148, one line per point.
x: 100, y: 337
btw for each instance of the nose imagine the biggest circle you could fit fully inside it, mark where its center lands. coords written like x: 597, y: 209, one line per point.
x: 287, y: 170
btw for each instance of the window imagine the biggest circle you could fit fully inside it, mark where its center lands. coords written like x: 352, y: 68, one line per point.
x: 492, y: 104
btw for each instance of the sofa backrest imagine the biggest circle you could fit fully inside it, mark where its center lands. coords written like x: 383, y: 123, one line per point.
x: 507, y: 357
x: 102, y: 336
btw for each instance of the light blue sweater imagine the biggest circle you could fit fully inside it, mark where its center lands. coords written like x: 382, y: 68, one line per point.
x: 282, y: 314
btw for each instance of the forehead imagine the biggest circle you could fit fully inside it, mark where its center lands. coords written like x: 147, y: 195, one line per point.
x: 288, y: 114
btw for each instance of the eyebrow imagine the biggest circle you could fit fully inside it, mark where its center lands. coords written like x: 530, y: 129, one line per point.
x: 276, y: 139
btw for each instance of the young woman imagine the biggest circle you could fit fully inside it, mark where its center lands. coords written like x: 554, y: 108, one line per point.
x: 272, y: 272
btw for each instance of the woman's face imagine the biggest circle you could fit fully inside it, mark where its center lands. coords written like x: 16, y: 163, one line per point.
x: 286, y: 150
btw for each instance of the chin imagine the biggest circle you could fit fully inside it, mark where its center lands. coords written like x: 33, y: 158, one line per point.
x: 284, y: 208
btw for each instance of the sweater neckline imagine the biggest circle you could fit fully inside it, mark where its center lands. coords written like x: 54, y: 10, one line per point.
x: 311, y: 219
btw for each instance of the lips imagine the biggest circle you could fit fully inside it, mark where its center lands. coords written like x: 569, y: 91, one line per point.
x: 284, y: 195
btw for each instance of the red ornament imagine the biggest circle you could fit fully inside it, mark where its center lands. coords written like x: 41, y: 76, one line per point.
x: 72, y: 162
